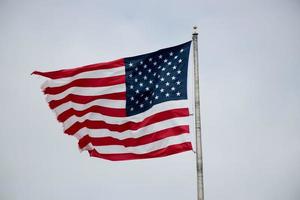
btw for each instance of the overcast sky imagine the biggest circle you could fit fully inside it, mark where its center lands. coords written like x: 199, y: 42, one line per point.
x: 250, y: 98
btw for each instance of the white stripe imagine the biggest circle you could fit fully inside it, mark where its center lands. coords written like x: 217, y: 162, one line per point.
x: 101, y: 73
x: 88, y: 91
x: 180, y: 121
x: 100, y: 102
x: 168, y: 105
x: 142, y: 149
x: 88, y: 147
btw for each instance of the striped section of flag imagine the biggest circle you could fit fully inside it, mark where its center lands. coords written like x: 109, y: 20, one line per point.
x: 131, y: 108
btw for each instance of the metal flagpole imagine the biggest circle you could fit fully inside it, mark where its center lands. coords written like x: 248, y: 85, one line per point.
x: 199, y: 161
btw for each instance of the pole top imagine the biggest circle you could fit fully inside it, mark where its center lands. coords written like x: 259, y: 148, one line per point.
x: 195, y: 30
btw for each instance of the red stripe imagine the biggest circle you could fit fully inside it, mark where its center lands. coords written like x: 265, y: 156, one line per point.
x: 131, y: 142
x: 72, y: 72
x: 113, y: 112
x: 87, y: 82
x: 169, y: 114
x: 86, y: 99
x: 170, y: 150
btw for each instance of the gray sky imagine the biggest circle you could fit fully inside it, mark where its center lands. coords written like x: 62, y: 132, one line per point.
x: 250, y: 98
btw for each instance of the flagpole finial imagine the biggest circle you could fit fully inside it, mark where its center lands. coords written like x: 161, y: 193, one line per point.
x: 195, y: 30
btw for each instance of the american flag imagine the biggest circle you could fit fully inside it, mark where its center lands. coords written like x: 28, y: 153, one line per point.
x: 130, y: 108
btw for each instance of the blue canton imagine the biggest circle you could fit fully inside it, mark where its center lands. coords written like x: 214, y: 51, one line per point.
x: 156, y: 77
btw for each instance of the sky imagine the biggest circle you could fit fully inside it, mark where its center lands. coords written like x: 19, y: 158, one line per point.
x: 249, y: 85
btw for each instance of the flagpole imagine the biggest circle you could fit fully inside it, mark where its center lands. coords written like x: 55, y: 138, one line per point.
x: 199, y: 160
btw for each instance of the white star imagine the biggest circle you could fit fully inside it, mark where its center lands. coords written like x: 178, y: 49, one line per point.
x: 160, y: 56
x: 154, y: 74
x: 178, y: 82
x: 178, y: 72
x: 131, y: 98
x: 156, y: 86
x: 150, y: 101
x: 162, y: 79
x: 167, y: 94
x: 159, y: 67
x: 137, y: 102
x: 130, y: 64
x: 156, y: 97
x: 150, y: 81
x: 147, y: 88
x: 154, y: 63
x: 169, y: 63
x: 146, y: 98
x: 178, y: 93
x: 141, y: 62
x: 137, y: 91
x: 141, y: 84
x: 168, y: 74
x: 179, y: 60
x: 150, y: 59
x: 174, y: 67
x: 181, y: 50
x: 135, y: 80
x: 131, y: 108
x: 172, y: 88
x: 145, y: 66
x: 140, y: 73
x: 171, y: 53
x: 163, y: 69
x: 145, y: 77
x: 149, y: 70
x: 167, y: 83
x: 175, y: 57
x: 131, y: 87
x: 136, y: 69
x: 165, y: 60
x: 130, y: 75
x: 158, y: 76
x: 142, y: 105
x: 173, y: 77
x: 162, y: 90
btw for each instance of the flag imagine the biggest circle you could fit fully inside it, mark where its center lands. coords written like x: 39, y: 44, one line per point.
x: 130, y: 108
